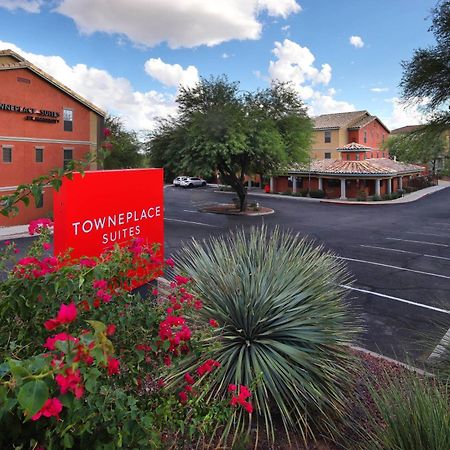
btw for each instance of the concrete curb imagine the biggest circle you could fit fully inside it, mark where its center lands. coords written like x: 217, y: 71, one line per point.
x: 409, y: 198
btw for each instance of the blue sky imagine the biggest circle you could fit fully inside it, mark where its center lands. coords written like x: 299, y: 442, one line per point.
x: 129, y: 56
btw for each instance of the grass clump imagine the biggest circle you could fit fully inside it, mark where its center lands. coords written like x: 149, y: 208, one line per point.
x: 283, y: 326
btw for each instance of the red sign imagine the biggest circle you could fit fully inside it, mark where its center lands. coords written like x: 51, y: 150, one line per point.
x: 95, y: 211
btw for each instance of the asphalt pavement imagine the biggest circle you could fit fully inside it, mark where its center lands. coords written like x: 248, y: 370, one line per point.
x: 399, y: 257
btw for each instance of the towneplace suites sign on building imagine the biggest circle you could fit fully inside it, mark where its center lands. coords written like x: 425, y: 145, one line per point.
x: 95, y: 211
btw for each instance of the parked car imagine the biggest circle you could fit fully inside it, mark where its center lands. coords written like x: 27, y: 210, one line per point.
x: 189, y: 182
x: 177, y: 181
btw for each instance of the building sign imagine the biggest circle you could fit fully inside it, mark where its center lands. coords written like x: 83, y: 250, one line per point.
x: 102, y: 208
x: 36, y: 115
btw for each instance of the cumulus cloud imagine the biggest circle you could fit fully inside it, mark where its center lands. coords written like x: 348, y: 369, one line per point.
x: 356, y: 41
x: 404, y: 114
x: 172, y: 75
x: 295, y: 64
x: 138, y: 110
x: 180, y: 23
x: 31, y: 6
x: 377, y: 89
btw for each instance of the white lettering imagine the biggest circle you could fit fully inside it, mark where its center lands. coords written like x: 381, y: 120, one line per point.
x: 105, y: 239
x: 90, y: 225
x: 121, y: 218
x: 129, y: 216
x: 138, y: 230
x: 158, y: 211
x: 111, y: 221
x: 100, y: 223
x: 143, y: 215
x: 150, y: 213
x: 75, y: 225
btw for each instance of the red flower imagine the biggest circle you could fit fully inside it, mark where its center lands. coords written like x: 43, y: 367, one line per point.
x: 207, y: 367
x: 232, y: 387
x: 106, y: 132
x: 181, y: 280
x: 71, y: 381
x: 113, y: 366
x: 110, y: 329
x: 198, y: 304
x: 170, y: 262
x: 52, y: 407
x: 241, y: 398
x: 67, y: 313
x: 167, y: 361
x: 46, y: 246
x: 87, y: 262
x: 36, y: 225
x: 213, y: 323
x: 99, y: 284
x: 188, y: 378
x: 183, y: 397
x: 51, y: 341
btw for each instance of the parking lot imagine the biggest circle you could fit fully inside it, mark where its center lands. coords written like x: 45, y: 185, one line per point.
x: 398, y: 255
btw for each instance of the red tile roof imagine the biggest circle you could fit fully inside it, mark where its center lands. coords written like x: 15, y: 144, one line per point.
x: 367, y: 167
x: 354, y: 147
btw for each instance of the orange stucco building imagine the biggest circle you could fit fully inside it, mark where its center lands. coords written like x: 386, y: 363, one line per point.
x: 43, y: 125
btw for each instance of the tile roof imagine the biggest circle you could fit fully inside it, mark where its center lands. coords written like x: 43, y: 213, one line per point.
x: 367, y: 167
x: 354, y: 147
x: 407, y: 129
x: 338, y: 120
x: 362, y: 122
x: 22, y: 63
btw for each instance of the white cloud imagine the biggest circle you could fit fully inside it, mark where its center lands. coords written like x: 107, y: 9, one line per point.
x: 31, y: 6
x: 281, y: 8
x: 356, y: 41
x: 181, y: 23
x: 225, y: 55
x: 296, y: 63
x: 171, y: 74
x: 403, y: 114
x: 138, y: 110
x: 286, y: 28
x: 379, y: 89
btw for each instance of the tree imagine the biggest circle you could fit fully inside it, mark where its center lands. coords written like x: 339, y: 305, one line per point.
x: 124, y: 146
x: 237, y: 133
x: 420, y: 146
x: 427, y: 75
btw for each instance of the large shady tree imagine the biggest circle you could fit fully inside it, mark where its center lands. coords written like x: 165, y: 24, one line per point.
x: 238, y: 133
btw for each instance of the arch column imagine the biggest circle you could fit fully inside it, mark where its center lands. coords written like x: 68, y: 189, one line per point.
x: 271, y: 184
x: 343, y: 190
x: 294, y: 185
x: 400, y: 182
x: 389, y: 185
x: 377, y: 187
x: 320, y: 183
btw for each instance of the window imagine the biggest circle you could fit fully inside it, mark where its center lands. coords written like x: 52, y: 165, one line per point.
x: 383, y: 154
x: 39, y: 154
x: 7, y: 154
x: 357, y: 156
x: 327, y: 155
x: 327, y: 137
x: 348, y: 157
x: 68, y: 119
x: 365, y: 137
x: 382, y: 137
x: 68, y: 156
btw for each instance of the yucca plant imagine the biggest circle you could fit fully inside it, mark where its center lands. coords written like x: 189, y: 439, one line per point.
x: 412, y: 413
x: 284, y: 326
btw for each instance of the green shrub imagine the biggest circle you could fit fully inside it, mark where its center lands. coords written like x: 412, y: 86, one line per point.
x: 376, y: 198
x: 304, y: 192
x: 362, y: 196
x: 387, y: 196
x: 414, y: 413
x: 319, y: 193
x: 283, y: 322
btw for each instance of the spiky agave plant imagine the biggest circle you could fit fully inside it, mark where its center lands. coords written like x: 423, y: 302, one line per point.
x: 284, y: 325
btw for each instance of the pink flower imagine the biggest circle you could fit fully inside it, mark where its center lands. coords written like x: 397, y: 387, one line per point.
x: 167, y: 361
x: 51, y: 341
x: 213, y: 323
x: 35, y: 226
x: 99, y: 284
x: 46, y: 246
x: 87, y: 262
x: 170, y: 262
x: 181, y: 280
x: 198, y: 304
x: 110, y: 329
x: 155, y: 292
x: 113, y: 366
x: 52, y: 407
x: 232, y: 387
x: 103, y: 295
x: 106, y: 132
x: 7, y: 243
x: 66, y: 314
x: 71, y: 381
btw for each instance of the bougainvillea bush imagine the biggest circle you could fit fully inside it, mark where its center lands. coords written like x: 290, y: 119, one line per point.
x: 83, y: 360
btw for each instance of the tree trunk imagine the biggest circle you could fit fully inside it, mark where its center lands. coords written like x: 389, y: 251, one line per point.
x: 238, y: 186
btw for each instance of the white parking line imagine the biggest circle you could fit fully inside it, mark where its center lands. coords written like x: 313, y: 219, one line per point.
x: 390, y: 297
x: 427, y: 234
x: 445, y: 224
x: 404, y: 251
x: 394, y: 267
x: 188, y: 221
x: 442, y: 347
x: 190, y: 210
x: 418, y: 242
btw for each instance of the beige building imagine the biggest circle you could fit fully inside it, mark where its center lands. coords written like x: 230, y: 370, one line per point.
x: 334, y: 131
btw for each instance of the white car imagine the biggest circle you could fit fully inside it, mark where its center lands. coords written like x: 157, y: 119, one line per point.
x: 178, y: 180
x: 189, y: 182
